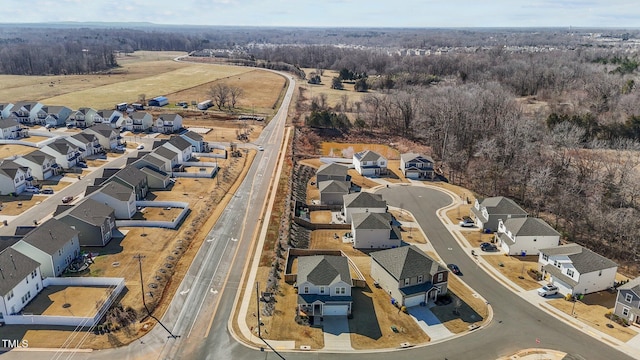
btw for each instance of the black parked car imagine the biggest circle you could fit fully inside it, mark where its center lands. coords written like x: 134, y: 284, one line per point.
x: 454, y: 269
x: 488, y: 247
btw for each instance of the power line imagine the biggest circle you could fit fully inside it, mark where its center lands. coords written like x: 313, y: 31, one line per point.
x: 140, y: 257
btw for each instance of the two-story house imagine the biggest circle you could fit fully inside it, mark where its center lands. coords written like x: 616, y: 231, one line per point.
x: 332, y: 192
x: 108, y: 117
x: 83, y: 117
x: 87, y: 143
x: 369, y: 163
x: 20, y: 282
x: 487, y: 213
x: 197, y: 141
x: 133, y: 178
x: 168, y: 123
x: 42, y: 165
x: 26, y: 111
x: 10, y: 129
x: 577, y: 270
x: 324, y: 285
x: 108, y: 137
x: 120, y: 198
x: 372, y: 230
x: 65, y: 152
x: 332, y: 171
x: 94, y: 221
x: 53, y: 244
x: 5, y: 110
x: 179, y: 145
x: 54, y: 116
x: 416, y: 166
x: 139, y: 121
x: 363, y: 202
x: 409, y: 275
x: 14, y: 178
x: 628, y: 302
x: 525, y: 236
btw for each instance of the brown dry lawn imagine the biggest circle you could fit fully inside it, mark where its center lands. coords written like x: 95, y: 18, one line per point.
x: 314, y: 163
x: 395, y: 175
x: 472, y: 309
x: 475, y: 238
x: 346, y: 150
x: 313, y: 193
x: 9, y: 150
x: 321, y: 217
x: 224, y: 129
x: 402, y: 216
x: 592, y: 309
x: 456, y: 214
x: 16, y: 205
x: 68, y: 300
x: 515, y: 267
x: 361, y: 181
x: 158, y: 213
x: 333, y: 96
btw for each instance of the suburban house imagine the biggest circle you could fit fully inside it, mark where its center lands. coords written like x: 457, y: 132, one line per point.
x: 65, y: 152
x: 42, y: 165
x: 169, y: 156
x: 372, y: 230
x: 152, y: 161
x: 577, y: 270
x: 324, y: 285
x: 107, y: 136
x: 83, y: 117
x: 487, y: 213
x: 525, y: 236
x: 54, y: 116
x: 156, y: 179
x: 133, y: 178
x: 369, y: 163
x: 416, y: 166
x: 332, y: 192
x: 14, y: 178
x: 138, y: 121
x: 5, y: 110
x: 26, y: 111
x: 107, y: 117
x: 120, y: 198
x: 20, y: 282
x: 362, y: 202
x: 53, y: 244
x: 94, y: 221
x: 409, y: 275
x: 10, y: 129
x: 332, y: 171
x: 88, y: 143
x: 197, y: 141
x: 179, y: 145
x: 628, y: 302
x: 168, y: 123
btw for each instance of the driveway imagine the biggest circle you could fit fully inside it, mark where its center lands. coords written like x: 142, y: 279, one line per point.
x: 429, y: 323
x: 336, y: 333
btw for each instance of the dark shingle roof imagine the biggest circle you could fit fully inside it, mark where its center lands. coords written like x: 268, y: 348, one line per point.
x: 50, y: 236
x: 38, y: 157
x: 193, y: 135
x: 502, y: 205
x: 168, y: 117
x: 633, y: 285
x: 90, y: 211
x: 14, y: 267
x: 406, y: 262
x: 323, y: 269
x: 406, y: 157
x: 131, y: 175
x: 332, y: 169
x: 364, y: 199
x: 62, y: 146
x: 583, y: 259
x: 7, y: 123
x: 529, y: 227
x: 179, y: 143
x: 102, y: 129
x: 153, y: 160
x: 166, y: 153
x: 334, y: 186
x: 367, y: 155
x: 116, y: 191
x: 373, y: 221
x: 84, y: 137
x: 139, y: 115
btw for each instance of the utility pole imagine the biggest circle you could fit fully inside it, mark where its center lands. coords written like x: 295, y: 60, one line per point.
x: 258, y: 307
x: 171, y: 335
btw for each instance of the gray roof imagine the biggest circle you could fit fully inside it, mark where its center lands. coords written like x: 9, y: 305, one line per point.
x: 193, y: 135
x: 139, y: 115
x: 55, y: 109
x: 50, y: 236
x: 633, y: 285
x: 131, y: 175
x: 371, y: 221
x: 84, y: 137
x: 367, y: 155
x: 62, y: 146
x: 116, y: 191
x: 7, y: 123
x: 153, y: 160
x: 105, y: 114
x: 364, y: 200
x: 14, y: 267
x: 583, y: 259
x: 529, y: 227
x: 506, y: 239
x: 406, y: 262
x: 334, y: 186
x: 155, y: 173
x: 28, y: 105
x: 501, y: 205
x: 332, y: 169
x: 323, y: 269
x: 90, y: 211
x: 168, y: 117
x: 179, y: 143
x: 165, y: 153
x: 406, y: 157
x: 10, y: 168
x: 38, y: 157
x: 102, y: 129
x: 86, y: 110
x: 557, y: 274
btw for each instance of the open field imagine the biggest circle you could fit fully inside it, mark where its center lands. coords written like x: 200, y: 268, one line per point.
x: 333, y: 96
x: 68, y: 300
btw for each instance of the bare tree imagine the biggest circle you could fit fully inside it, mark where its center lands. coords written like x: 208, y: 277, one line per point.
x: 220, y: 93
x: 235, y: 93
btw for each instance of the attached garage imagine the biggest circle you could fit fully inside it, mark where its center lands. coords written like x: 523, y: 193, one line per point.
x: 335, y: 310
x: 563, y: 288
x: 414, y: 300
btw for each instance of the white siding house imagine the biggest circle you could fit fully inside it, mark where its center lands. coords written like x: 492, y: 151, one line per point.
x: 525, y: 236
x: 416, y: 166
x: 324, y: 285
x: 489, y: 211
x: 20, y: 282
x: 14, y: 178
x: 374, y: 231
x: 363, y: 202
x: 369, y: 163
x: 10, y: 129
x: 168, y: 123
x: 42, y: 165
x: 117, y: 196
x: 107, y: 136
x: 138, y: 121
x: 65, y: 152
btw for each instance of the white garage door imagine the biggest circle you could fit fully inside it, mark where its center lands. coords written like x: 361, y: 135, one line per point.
x: 414, y: 300
x: 563, y: 288
x: 329, y: 310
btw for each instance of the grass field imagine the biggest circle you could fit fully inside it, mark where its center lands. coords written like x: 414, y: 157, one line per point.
x: 334, y: 96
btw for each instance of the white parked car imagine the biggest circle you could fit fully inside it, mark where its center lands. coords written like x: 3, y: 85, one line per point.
x: 32, y: 189
x: 260, y: 148
x: 548, y: 290
x: 140, y: 147
x: 467, y: 222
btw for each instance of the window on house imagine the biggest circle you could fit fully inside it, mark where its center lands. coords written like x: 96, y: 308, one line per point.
x: 420, y: 278
x: 628, y: 298
x: 321, y: 289
x: 440, y: 277
x: 556, y: 264
x: 625, y: 311
x: 306, y: 289
x: 340, y: 290
x: 407, y: 281
x: 37, y: 286
x: 570, y: 272
x: 545, y: 257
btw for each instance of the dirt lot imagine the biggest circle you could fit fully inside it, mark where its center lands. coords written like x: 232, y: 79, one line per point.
x: 158, y: 213
x: 224, y: 128
x: 68, y: 300
x: 346, y: 150
x: 515, y: 268
x: 321, y: 217
x: 591, y: 310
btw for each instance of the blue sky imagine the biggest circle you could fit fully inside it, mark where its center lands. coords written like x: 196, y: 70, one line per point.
x: 335, y: 13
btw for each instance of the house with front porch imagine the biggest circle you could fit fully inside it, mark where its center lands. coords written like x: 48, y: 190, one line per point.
x: 363, y: 202
x: 20, y: 282
x: 120, y: 198
x: 196, y: 140
x: 628, y: 302
x: 108, y: 137
x: 409, y: 275
x: 14, y: 178
x: 26, y: 112
x: 416, y: 166
x: 576, y: 270
x: 95, y: 221
x: 54, y: 116
x: 53, y: 244
x: 168, y: 123
x: 369, y: 163
x: 10, y: 129
x: 83, y: 117
x: 372, y: 230
x: 324, y: 285
x: 65, y: 152
x: 139, y: 121
x: 87, y: 143
x: 42, y: 165
x: 525, y: 236
x: 488, y: 212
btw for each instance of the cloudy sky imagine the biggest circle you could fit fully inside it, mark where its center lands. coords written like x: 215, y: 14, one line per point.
x: 335, y: 13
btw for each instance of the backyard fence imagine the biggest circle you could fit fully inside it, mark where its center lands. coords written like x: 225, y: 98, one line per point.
x: 173, y: 224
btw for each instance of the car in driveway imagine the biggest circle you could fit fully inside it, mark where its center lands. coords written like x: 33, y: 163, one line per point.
x: 67, y: 199
x: 467, y: 222
x: 47, y: 191
x: 548, y: 290
x: 140, y: 147
x: 488, y: 247
x: 454, y: 269
x: 32, y: 189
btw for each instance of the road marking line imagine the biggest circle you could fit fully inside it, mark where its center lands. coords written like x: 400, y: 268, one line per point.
x: 184, y: 292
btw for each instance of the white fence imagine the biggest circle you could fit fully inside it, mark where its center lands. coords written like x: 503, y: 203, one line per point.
x: 210, y: 170
x: 173, y: 224
x: 18, y: 142
x: 116, y: 284
x: 211, y: 155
